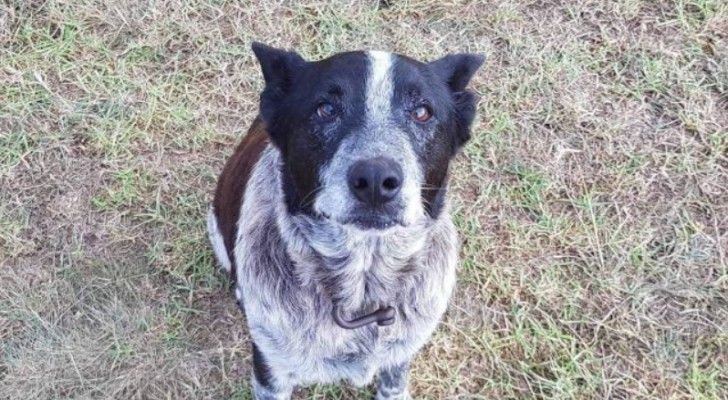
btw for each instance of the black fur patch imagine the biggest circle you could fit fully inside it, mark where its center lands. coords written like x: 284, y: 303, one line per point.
x: 288, y: 104
x: 261, y: 369
x: 439, y: 85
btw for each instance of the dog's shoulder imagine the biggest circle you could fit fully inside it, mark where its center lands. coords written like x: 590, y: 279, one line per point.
x: 234, y: 179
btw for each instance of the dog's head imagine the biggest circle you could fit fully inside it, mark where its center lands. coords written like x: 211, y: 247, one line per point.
x: 366, y: 137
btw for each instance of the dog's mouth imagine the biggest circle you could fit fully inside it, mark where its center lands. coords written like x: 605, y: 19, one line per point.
x: 372, y: 221
x: 367, y: 218
x: 367, y: 221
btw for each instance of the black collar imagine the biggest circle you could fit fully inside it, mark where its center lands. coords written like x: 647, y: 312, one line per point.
x: 383, y: 316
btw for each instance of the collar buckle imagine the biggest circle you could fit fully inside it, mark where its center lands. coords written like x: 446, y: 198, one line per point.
x: 383, y: 316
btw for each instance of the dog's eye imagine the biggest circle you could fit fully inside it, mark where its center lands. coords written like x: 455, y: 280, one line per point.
x: 421, y: 114
x: 326, y: 111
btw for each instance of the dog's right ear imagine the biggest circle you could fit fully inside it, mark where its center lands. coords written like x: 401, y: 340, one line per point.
x: 279, y: 69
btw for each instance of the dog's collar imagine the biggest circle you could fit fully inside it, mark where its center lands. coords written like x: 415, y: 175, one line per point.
x: 383, y: 316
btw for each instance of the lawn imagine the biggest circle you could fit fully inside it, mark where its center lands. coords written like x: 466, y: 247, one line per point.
x: 592, y: 201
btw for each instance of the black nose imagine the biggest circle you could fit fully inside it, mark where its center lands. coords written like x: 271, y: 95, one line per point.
x: 375, y: 181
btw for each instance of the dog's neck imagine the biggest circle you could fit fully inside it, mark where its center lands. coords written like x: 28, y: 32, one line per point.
x: 356, y: 270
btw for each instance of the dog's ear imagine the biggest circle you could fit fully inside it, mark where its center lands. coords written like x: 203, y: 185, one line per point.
x: 465, y: 103
x: 279, y: 69
x: 457, y: 69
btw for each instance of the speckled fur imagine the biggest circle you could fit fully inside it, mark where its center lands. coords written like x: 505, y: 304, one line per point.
x: 292, y: 270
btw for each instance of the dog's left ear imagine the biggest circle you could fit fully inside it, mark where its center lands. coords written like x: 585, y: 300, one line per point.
x: 279, y: 70
x: 457, y: 69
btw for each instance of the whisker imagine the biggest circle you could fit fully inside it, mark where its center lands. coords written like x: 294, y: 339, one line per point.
x: 304, y: 201
x: 430, y: 187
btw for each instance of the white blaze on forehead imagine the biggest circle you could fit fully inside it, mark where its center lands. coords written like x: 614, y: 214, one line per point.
x: 380, y: 86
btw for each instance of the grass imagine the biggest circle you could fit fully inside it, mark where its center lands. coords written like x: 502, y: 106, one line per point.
x: 592, y: 201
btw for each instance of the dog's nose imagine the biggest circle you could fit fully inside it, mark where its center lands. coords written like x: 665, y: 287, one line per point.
x: 375, y: 181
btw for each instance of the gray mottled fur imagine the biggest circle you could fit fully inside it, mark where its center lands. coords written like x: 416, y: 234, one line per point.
x: 292, y: 270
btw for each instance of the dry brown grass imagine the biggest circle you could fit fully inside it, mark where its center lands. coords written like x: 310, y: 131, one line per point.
x: 593, y: 200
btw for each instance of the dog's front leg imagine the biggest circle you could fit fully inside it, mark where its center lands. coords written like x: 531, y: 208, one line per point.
x: 266, y: 386
x: 392, y: 382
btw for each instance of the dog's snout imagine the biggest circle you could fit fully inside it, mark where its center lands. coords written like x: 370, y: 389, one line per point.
x: 375, y: 181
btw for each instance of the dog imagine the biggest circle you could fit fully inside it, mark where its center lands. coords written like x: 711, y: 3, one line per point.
x: 332, y: 217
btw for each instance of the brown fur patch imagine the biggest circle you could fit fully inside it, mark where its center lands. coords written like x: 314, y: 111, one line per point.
x: 232, y: 183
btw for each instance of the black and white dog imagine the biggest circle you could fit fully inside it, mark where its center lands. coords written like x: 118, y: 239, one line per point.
x: 331, y: 215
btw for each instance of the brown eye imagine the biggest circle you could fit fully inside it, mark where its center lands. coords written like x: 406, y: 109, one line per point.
x: 421, y: 114
x: 326, y: 111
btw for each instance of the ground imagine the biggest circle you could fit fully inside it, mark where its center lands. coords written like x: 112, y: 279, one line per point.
x: 592, y: 201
